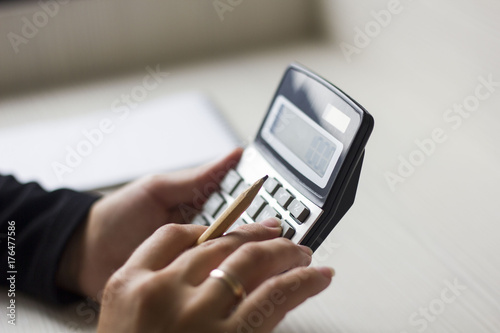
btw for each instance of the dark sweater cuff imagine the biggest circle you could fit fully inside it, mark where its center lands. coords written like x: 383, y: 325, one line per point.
x: 72, y: 211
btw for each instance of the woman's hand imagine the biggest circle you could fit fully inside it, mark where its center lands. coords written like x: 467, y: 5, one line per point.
x: 119, y: 222
x: 165, y: 285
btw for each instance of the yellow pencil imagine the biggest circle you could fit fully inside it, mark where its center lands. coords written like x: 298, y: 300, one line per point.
x: 232, y: 213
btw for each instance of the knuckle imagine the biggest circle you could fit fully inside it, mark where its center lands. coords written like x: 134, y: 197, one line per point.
x: 111, y: 289
x: 304, y: 273
x: 253, y: 232
x: 152, y: 183
x: 242, y: 231
x: 257, y: 228
x: 177, y: 230
x: 284, y: 242
x: 118, y: 286
x: 222, y: 246
x: 282, y: 245
x: 256, y: 252
x: 275, y: 283
x: 145, y: 292
x: 186, y: 315
x: 118, y: 280
x: 150, y: 180
x: 225, y: 248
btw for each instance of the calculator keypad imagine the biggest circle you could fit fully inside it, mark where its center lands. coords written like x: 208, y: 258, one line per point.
x: 213, y: 204
x: 283, y: 197
x: 298, y: 210
x: 221, y: 210
x: 242, y: 186
x: 271, y: 185
x: 263, y: 206
x: 230, y: 182
x: 256, y: 206
x: 200, y: 220
x: 288, y: 230
x: 266, y: 213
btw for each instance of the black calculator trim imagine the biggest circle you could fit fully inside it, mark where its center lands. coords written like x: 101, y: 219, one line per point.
x: 342, y: 193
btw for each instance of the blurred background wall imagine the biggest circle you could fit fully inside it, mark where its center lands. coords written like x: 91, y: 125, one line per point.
x: 53, y: 41
x: 42, y: 43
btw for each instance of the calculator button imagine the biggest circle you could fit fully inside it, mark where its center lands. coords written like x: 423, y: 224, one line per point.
x: 230, y: 182
x: 283, y: 197
x: 239, y: 222
x: 242, y: 186
x: 288, y: 230
x: 213, y: 204
x: 298, y: 210
x: 271, y: 185
x: 221, y: 210
x: 256, y: 206
x: 200, y: 220
x: 266, y: 213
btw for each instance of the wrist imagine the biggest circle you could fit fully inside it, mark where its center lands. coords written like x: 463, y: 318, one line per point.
x: 68, y: 273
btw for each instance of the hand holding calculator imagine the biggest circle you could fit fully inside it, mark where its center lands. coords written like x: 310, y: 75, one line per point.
x: 311, y: 144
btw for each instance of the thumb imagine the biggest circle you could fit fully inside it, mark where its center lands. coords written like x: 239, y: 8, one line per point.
x: 193, y: 186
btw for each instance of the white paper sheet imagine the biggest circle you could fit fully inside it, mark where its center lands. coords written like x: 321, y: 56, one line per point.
x: 110, y: 147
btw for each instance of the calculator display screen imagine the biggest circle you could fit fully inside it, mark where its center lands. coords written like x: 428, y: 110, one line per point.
x: 304, y: 140
x: 304, y: 144
x: 313, y: 135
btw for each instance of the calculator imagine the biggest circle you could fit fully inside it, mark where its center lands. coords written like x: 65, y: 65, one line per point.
x: 311, y: 145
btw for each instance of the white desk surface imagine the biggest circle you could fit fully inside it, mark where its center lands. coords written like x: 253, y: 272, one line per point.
x: 395, y: 253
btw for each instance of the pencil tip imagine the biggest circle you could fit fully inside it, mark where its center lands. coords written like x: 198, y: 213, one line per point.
x: 265, y: 177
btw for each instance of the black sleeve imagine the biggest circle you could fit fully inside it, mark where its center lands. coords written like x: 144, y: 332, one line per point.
x: 44, y: 221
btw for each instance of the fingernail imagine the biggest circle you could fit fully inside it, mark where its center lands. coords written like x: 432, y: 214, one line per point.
x: 327, y: 272
x: 306, y: 250
x: 271, y: 223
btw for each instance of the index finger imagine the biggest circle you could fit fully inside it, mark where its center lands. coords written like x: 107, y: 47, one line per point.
x: 197, y: 263
x: 164, y: 246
